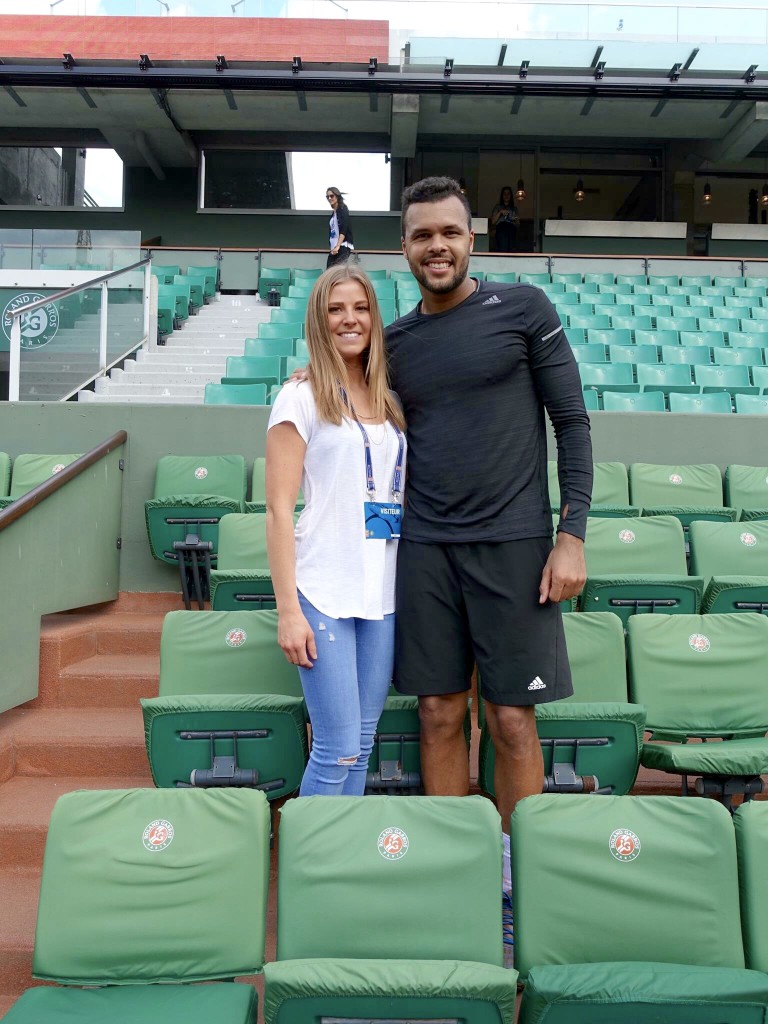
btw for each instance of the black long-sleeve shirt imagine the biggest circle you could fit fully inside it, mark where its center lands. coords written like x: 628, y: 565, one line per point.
x: 474, y: 383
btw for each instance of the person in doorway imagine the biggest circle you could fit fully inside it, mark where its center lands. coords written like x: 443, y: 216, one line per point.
x: 341, y: 240
x: 504, y: 221
x: 338, y: 434
x: 476, y: 365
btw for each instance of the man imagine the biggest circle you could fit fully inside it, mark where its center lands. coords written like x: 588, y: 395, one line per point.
x: 476, y: 365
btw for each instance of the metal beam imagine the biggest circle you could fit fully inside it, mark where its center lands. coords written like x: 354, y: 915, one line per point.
x: 142, y: 144
x: 748, y: 132
x: 405, y: 125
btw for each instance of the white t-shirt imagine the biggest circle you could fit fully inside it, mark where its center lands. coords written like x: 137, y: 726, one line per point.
x: 340, y: 572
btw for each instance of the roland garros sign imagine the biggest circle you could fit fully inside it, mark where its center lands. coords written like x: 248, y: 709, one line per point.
x: 38, y: 327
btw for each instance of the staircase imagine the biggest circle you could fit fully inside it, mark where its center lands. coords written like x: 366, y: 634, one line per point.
x: 192, y: 357
x: 83, y: 731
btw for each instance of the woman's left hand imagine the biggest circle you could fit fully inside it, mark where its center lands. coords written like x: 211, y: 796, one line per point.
x: 335, y: 252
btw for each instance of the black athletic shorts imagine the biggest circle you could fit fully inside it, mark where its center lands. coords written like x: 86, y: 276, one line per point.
x: 458, y: 604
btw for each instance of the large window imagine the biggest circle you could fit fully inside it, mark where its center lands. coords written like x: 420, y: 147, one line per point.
x: 49, y: 177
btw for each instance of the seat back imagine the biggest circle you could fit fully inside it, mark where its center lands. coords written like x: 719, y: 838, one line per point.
x: 5, y: 474
x: 746, y: 486
x: 596, y: 654
x: 700, y: 675
x: 652, y: 485
x: 31, y: 470
x: 729, y: 549
x: 624, y: 878
x: 346, y: 865
x: 254, y: 366
x: 635, y: 545
x: 609, y: 485
x: 235, y: 394
x: 258, y: 487
x: 243, y: 543
x: 223, y: 475
x: 109, y: 912
x: 224, y: 652
x: 751, y: 821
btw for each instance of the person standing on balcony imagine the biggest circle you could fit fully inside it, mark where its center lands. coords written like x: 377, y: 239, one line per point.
x: 504, y: 220
x: 341, y: 240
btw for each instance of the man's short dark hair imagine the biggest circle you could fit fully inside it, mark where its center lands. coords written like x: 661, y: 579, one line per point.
x: 433, y: 190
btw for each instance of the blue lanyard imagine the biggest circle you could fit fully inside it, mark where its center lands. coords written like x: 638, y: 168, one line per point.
x: 397, y: 489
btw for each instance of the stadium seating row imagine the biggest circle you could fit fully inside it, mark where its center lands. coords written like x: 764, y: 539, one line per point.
x: 181, y: 295
x: 659, y: 903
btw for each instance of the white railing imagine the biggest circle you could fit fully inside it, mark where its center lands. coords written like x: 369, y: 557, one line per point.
x: 105, y: 363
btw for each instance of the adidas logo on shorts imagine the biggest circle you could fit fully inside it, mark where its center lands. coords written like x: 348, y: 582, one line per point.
x: 537, y: 684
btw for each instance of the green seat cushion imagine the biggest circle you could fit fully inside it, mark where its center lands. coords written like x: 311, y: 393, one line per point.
x: 136, y: 1004
x: 31, y: 470
x: 439, y: 874
x: 303, y: 991
x: 673, y: 888
x: 751, y: 823
x: 689, y: 513
x: 613, y: 763
x: 641, y: 993
x: 5, y: 502
x: 5, y: 473
x: 153, y: 885
x: 233, y: 588
x: 280, y: 755
x: 224, y: 475
x: 618, y: 593
x: 730, y: 757
x: 224, y: 652
x: 752, y: 514
x: 613, y: 511
x: 724, y: 593
x: 192, y: 507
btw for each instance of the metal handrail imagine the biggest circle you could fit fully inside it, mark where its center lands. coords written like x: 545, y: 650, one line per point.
x: 27, y: 501
x: 101, y: 282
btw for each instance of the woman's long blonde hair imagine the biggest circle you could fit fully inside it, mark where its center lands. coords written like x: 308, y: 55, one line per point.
x: 326, y: 367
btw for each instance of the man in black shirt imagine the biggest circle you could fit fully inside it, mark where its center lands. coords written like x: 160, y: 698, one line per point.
x: 479, y: 580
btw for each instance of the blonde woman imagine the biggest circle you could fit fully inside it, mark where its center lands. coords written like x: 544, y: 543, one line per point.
x: 339, y: 435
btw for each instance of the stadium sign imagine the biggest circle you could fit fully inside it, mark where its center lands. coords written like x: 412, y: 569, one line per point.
x: 38, y: 327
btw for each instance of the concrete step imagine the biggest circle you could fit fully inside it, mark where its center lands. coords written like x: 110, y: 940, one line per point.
x: 203, y: 350
x: 177, y: 364
x: 140, y: 399
x: 52, y: 742
x: 109, y: 681
x: 159, y: 378
x: 127, y: 390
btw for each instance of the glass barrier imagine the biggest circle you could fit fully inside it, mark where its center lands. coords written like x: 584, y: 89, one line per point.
x: 62, y: 249
x: 125, y: 319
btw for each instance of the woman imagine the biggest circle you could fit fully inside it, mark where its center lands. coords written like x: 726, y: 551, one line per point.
x: 341, y: 240
x: 339, y: 435
x: 504, y: 218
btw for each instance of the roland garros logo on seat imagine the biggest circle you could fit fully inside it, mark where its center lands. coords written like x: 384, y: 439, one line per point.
x: 699, y: 643
x: 38, y: 327
x: 624, y: 845
x: 749, y: 540
x: 627, y: 536
x: 236, y: 637
x: 675, y: 478
x: 201, y: 472
x: 393, y: 844
x: 158, y: 835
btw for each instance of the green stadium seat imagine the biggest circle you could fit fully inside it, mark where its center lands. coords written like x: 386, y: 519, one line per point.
x: 552, y: 290
x: 665, y: 279
x: 733, y: 379
x: 734, y: 561
x: 614, y: 289
x: 211, y: 277
x: 643, y: 288
x: 677, y: 323
x: 666, y: 378
x: 634, y: 279
x: 750, y: 822
x: 709, y: 339
x: 637, y: 565
x: 300, y: 291
x: 757, y: 281
x: 300, y: 274
x: 690, y: 355
x: 601, y: 277
x: 235, y: 394
x: 720, y: 323
x: 223, y: 673
x: 609, y: 337
x: 633, y: 321
x: 591, y: 401
x: 752, y: 405
x: 29, y: 471
x: 274, y: 277
x: 604, y: 299
x: 5, y: 474
x: 703, y: 677
x: 500, y: 277
x: 651, y: 401
x: 444, y: 961
x: 682, y: 289
x: 404, y: 275
x: 584, y: 288
x: 726, y: 279
x: 590, y: 354
x: 302, y: 350
x: 610, y: 489
x: 280, y: 331
x: 687, y: 492
x: 281, y: 315
x: 299, y: 305
x: 706, y: 302
x: 256, y: 366
x: 566, y: 278
x: 717, y: 289
x: 716, y: 402
x: 576, y: 335
x: 191, y: 495
x: 178, y: 295
x: 166, y: 314
x: 591, y: 741
x: 644, y: 337
x: 746, y: 488
x: 760, y: 378
x: 273, y: 393
x: 264, y: 348
x: 640, y: 302
x: 665, y: 870
x: 744, y: 291
x: 527, y: 278
x: 196, y: 296
x: 739, y: 357
x: 165, y: 274
x: 613, y: 309
x: 143, y: 890
x: 588, y: 321
x: 634, y: 354
x: 242, y: 578
x: 568, y: 299
x: 746, y: 339
x: 604, y: 377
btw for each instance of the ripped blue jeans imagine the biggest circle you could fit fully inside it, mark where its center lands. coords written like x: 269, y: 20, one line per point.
x: 345, y: 692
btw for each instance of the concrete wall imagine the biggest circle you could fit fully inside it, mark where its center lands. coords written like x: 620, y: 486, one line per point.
x: 156, y: 430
